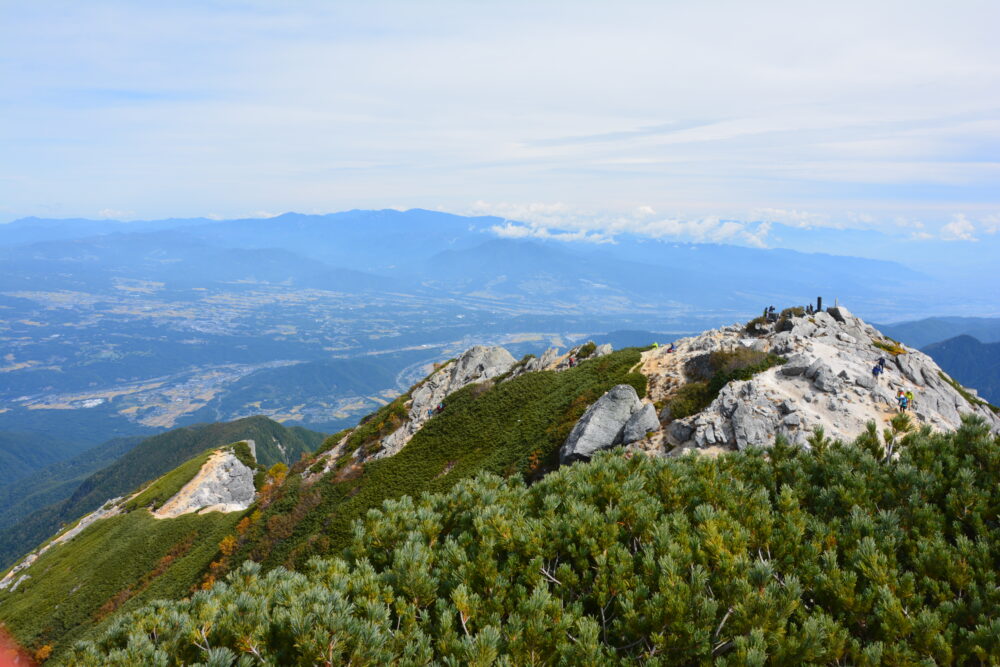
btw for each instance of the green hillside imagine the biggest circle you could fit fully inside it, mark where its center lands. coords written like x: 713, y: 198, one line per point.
x: 472, y: 546
x: 117, y: 563
x: 148, y: 460
x: 834, y: 555
x: 513, y: 428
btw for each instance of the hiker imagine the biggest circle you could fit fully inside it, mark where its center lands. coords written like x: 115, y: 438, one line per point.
x: 881, y: 363
x: 440, y: 408
x: 572, y: 362
x: 909, y: 399
x: 901, y: 399
x: 876, y: 371
x: 671, y: 348
x: 655, y: 345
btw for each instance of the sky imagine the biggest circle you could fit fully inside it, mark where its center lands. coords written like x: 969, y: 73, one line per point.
x: 715, y: 121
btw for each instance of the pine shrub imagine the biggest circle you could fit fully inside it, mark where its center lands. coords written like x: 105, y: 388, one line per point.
x: 833, y: 555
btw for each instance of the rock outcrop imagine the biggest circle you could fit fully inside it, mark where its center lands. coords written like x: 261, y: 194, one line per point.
x: 552, y: 360
x: 224, y: 484
x: 617, y: 417
x: 477, y: 364
x: 826, y: 382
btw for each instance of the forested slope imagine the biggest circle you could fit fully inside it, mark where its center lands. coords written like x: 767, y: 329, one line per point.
x: 840, y: 554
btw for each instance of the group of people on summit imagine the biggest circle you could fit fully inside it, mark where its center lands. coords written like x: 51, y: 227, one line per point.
x: 903, y: 398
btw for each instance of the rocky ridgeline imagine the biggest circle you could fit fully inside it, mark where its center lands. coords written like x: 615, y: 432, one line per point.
x: 477, y: 364
x: 552, y: 360
x: 826, y: 382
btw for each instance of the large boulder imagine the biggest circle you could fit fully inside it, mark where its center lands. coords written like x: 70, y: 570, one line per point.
x: 602, y: 425
x: 641, y: 422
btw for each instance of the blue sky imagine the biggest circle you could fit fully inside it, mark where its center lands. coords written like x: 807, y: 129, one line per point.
x: 695, y: 120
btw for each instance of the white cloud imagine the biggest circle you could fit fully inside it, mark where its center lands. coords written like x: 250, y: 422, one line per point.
x: 793, y: 218
x: 114, y: 214
x: 511, y: 230
x: 560, y: 222
x: 959, y: 229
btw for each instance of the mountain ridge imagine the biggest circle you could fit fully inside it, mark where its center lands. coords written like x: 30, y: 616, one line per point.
x: 484, y: 412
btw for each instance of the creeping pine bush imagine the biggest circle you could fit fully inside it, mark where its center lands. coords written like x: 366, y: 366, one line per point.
x: 723, y: 366
x: 839, y: 554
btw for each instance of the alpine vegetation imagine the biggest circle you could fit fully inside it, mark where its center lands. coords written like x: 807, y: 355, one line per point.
x: 836, y: 553
x: 785, y: 492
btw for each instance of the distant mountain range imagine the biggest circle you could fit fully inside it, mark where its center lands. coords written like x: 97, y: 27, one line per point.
x: 420, y: 251
x: 921, y: 333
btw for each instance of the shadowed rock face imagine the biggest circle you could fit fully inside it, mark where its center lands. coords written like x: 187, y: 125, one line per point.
x: 642, y: 421
x: 224, y: 484
x: 603, y: 424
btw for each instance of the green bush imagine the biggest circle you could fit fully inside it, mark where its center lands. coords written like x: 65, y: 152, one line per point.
x: 834, y: 555
x: 890, y: 346
x: 756, y: 325
x: 725, y: 366
x: 794, y: 311
x: 241, y: 450
x: 586, y: 350
x: 690, y: 399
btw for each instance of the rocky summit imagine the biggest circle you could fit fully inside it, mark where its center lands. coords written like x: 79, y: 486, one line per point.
x: 824, y: 380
